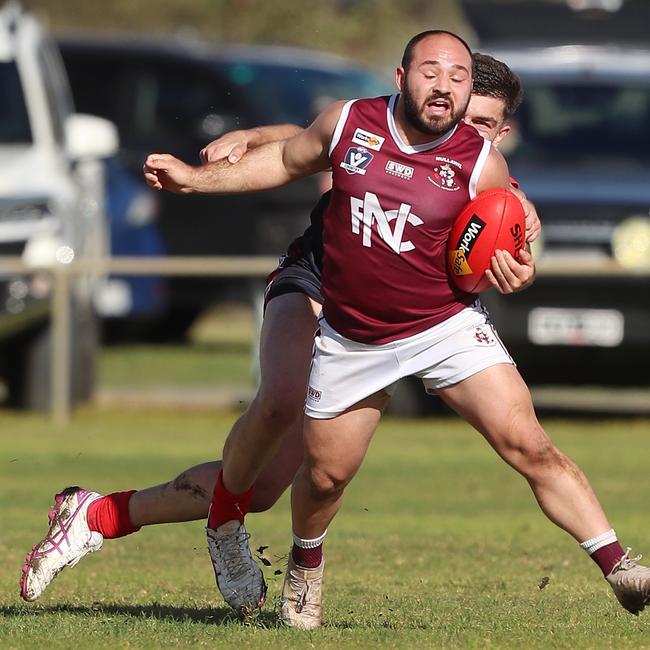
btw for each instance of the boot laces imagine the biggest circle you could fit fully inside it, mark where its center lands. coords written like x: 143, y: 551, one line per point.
x: 626, y: 562
x: 235, y: 553
x: 300, y: 586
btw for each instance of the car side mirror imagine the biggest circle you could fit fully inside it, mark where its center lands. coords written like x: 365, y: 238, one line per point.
x: 88, y: 136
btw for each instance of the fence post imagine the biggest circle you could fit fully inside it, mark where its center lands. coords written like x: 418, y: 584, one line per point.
x: 60, y: 348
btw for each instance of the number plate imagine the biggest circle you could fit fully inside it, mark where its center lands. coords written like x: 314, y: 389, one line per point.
x: 555, y: 326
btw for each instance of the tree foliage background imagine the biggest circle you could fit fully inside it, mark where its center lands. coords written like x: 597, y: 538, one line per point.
x: 370, y: 31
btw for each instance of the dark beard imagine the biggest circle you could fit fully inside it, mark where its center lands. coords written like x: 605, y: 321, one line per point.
x: 438, y: 125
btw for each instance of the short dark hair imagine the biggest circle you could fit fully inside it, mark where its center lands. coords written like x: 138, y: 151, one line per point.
x: 493, y: 78
x: 407, y: 57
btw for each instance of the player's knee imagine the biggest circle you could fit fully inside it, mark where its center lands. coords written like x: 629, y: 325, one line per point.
x: 278, y: 410
x: 536, y: 455
x: 326, y: 483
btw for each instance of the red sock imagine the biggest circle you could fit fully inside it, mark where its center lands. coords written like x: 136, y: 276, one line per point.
x: 226, y: 506
x: 109, y: 515
x: 307, y: 558
x: 607, y: 556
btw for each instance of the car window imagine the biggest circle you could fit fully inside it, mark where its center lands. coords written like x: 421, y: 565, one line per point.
x: 295, y: 94
x: 14, y: 121
x: 584, y: 122
x: 172, y: 104
x: 96, y: 80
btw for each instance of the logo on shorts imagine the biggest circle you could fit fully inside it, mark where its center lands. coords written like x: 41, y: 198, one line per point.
x: 314, y: 395
x: 356, y: 160
x: 484, y: 337
x: 367, y: 139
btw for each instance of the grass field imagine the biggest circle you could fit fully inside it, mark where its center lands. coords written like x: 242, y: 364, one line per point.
x: 438, y: 545
x: 219, y: 354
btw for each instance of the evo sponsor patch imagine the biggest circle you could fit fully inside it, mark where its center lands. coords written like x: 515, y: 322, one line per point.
x: 367, y: 139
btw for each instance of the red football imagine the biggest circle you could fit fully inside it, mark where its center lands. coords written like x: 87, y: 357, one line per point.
x: 494, y: 220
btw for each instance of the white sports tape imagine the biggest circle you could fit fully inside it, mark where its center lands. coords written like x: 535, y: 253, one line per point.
x: 308, y: 543
x: 595, y: 543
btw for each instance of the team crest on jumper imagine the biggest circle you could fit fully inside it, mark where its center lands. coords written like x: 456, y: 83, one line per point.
x: 356, y: 160
x: 444, y: 174
x: 367, y: 214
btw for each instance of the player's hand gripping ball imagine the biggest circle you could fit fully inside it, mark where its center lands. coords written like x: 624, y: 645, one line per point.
x: 494, y: 220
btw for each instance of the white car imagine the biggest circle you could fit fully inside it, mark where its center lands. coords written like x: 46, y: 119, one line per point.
x: 51, y: 208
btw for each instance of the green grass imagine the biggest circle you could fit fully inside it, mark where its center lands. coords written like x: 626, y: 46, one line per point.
x: 145, y: 365
x: 439, y: 544
x: 219, y: 354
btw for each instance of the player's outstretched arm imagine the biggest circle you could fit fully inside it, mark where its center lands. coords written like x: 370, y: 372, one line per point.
x: 268, y: 166
x: 233, y: 145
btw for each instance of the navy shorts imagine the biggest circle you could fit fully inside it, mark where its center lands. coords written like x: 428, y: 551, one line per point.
x: 295, y: 276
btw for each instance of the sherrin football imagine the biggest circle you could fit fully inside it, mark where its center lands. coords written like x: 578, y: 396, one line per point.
x: 494, y: 220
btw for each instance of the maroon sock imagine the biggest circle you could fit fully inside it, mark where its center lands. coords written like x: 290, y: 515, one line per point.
x: 226, y: 506
x: 607, y: 556
x: 307, y: 558
x: 109, y: 515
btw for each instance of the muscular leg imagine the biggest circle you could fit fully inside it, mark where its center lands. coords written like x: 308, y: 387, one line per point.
x: 285, y: 365
x: 497, y: 403
x: 334, y: 450
x: 285, y: 354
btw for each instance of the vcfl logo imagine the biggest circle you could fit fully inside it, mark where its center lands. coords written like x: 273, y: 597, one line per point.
x: 369, y: 211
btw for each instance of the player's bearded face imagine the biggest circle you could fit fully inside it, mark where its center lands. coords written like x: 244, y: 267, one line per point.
x: 419, y: 116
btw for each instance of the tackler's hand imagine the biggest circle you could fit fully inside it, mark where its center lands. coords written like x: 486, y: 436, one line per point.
x: 230, y: 146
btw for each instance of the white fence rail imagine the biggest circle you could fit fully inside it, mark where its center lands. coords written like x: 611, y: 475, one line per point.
x: 218, y: 266
x: 225, y: 266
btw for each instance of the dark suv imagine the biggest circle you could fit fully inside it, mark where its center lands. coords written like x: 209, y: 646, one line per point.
x: 581, y: 151
x: 177, y: 96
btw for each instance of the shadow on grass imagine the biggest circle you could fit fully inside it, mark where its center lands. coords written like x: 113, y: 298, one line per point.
x: 204, y: 615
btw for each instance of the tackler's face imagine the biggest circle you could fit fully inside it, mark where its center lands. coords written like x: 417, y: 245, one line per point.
x: 436, y: 86
x: 486, y: 115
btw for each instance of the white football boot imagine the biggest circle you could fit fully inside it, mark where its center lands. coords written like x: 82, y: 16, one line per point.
x: 301, y: 603
x: 67, y: 541
x: 239, y: 577
x: 631, y: 583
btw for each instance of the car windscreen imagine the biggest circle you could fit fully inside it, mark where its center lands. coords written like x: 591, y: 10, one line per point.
x: 14, y: 121
x: 582, y: 123
x: 294, y: 94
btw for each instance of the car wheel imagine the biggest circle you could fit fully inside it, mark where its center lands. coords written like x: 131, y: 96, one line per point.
x: 28, y: 377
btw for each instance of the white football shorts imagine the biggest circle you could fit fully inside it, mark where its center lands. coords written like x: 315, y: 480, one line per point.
x: 344, y: 372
